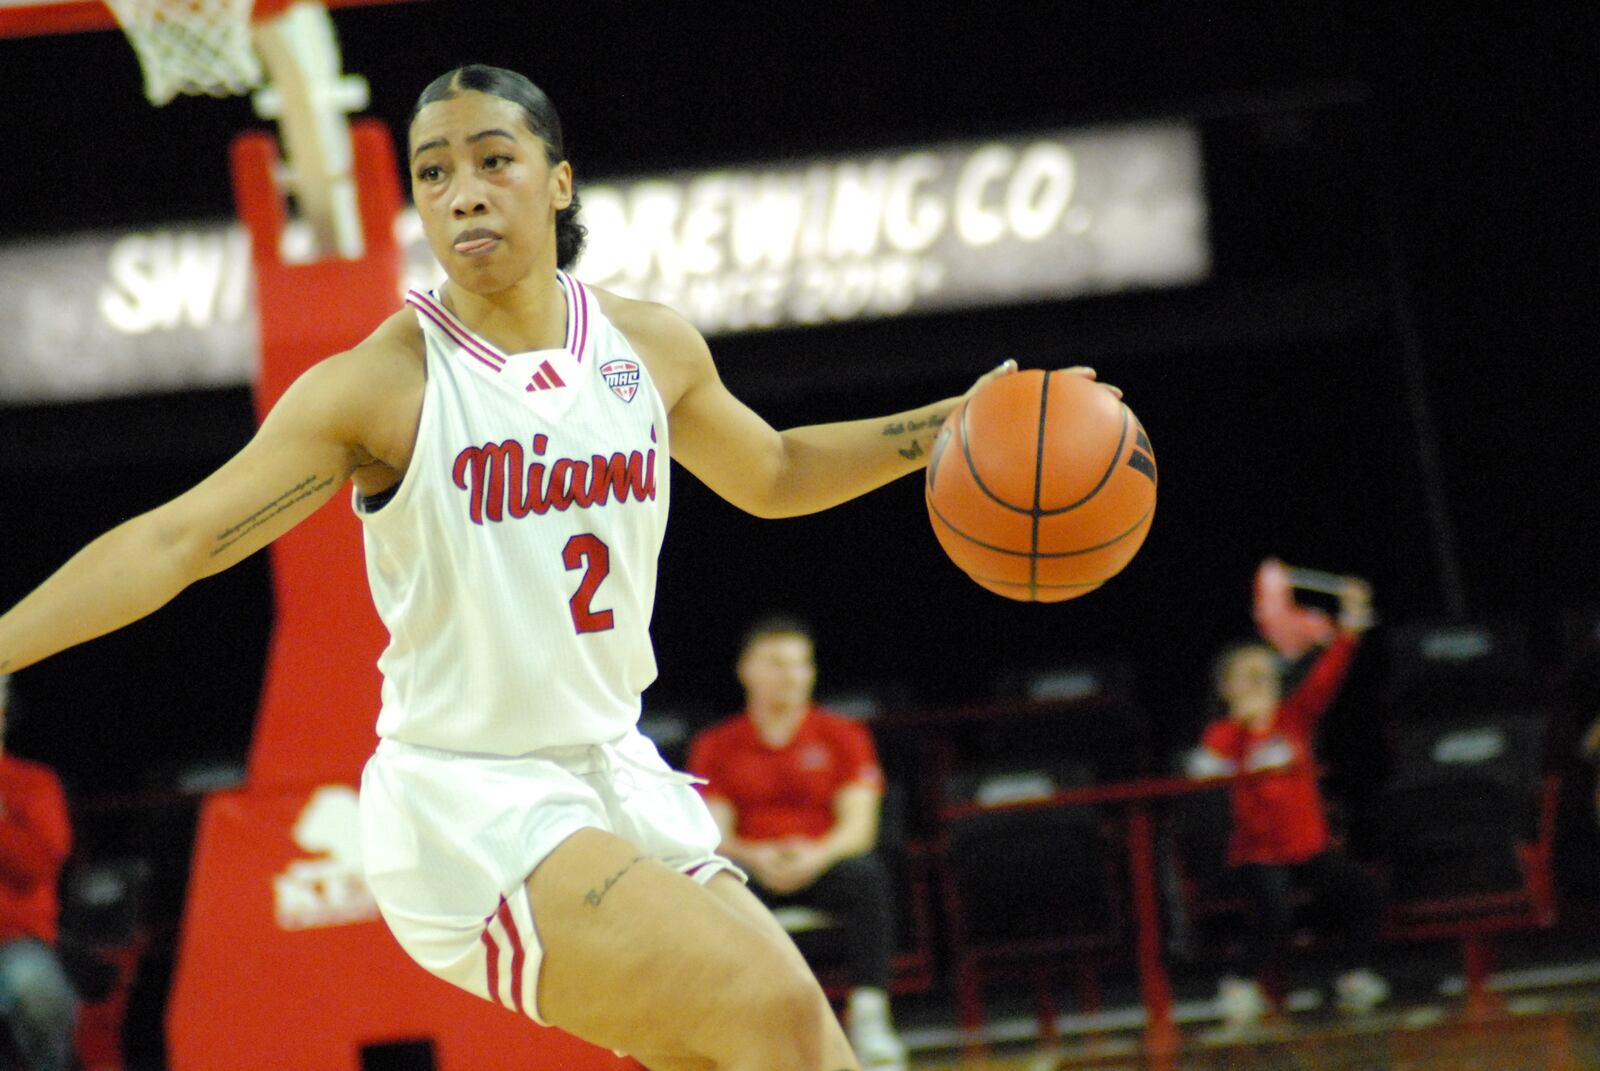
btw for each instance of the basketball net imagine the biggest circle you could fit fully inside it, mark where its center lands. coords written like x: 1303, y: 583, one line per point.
x: 191, y: 47
x: 287, y: 54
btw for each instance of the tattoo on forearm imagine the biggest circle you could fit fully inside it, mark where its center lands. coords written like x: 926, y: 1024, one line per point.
x: 301, y: 491
x: 912, y: 452
x: 902, y: 427
x: 594, y: 896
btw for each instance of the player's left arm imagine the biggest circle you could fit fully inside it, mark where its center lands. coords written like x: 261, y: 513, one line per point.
x: 743, y: 458
x: 801, y: 470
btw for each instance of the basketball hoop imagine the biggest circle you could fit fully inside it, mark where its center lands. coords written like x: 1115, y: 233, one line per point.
x: 283, y: 52
x: 191, y: 47
x: 226, y: 48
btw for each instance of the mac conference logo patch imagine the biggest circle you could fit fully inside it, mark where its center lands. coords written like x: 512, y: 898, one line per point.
x: 622, y: 376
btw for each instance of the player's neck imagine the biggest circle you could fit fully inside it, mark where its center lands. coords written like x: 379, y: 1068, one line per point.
x: 777, y: 725
x: 530, y: 315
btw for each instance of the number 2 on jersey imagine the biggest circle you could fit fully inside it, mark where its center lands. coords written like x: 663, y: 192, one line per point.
x: 594, y: 557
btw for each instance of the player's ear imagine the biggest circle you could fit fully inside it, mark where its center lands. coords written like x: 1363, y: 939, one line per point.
x: 561, y: 185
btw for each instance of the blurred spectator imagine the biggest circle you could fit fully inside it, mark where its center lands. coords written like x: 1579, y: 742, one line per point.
x: 1280, y: 835
x: 797, y: 792
x: 37, y: 1003
x: 1297, y: 632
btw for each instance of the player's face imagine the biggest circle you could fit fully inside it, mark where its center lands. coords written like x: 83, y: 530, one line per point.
x: 778, y: 673
x: 486, y: 192
x: 1250, y: 683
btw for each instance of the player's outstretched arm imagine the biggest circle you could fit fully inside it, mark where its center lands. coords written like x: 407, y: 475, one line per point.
x: 741, y: 457
x: 801, y: 470
x: 303, y: 452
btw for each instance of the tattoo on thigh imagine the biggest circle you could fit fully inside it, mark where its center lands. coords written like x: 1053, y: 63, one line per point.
x: 594, y: 896
x: 298, y: 493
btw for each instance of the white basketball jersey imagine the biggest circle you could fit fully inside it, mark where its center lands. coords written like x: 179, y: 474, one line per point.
x: 515, y: 566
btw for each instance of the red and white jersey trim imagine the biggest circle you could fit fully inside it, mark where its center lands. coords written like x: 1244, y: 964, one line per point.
x: 484, y: 351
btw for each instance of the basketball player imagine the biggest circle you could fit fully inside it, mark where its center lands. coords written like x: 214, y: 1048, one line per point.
x: 508, y: 438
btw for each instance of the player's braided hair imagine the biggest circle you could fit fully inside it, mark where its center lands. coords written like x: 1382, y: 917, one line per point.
x: 540, y: 116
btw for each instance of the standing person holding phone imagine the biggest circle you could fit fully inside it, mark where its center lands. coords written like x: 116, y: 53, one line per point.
x: 1280, y: 837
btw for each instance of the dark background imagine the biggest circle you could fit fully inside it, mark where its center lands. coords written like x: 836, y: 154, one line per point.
x: 1405, y: 260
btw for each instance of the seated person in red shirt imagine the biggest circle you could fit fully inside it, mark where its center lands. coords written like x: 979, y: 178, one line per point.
x: 1280, y: 831
x: 37, y: 1004
x: 797, y: 792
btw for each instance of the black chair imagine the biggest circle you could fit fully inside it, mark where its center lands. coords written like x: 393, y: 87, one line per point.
x: 1081, y: 712
x: 1463, y: 796
x: 1580, y: 642
x: 102, y: 942
x: 1438, y: 670
x: 1465, y: 828
x: 1027, y: 885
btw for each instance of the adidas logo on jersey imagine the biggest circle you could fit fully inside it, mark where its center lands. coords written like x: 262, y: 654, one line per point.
x: 622, y: 376
x: 545, y: 378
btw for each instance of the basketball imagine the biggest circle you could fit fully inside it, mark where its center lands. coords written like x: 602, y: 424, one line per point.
x: 1042, y: 486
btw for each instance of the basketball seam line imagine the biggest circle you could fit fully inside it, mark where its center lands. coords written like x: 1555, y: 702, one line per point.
x: 1033, y: 585
x: 1038, y: 475
x: 966, y: 452
x: 1116, y: 455
x: 1041, y: 553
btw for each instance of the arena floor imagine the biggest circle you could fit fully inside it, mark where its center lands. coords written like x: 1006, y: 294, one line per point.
x: 1549, y: 1020
x: 1553, y: 1039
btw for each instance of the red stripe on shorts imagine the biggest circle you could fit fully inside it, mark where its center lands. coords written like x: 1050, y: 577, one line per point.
x: 494, y: 963
x: 517, y: 956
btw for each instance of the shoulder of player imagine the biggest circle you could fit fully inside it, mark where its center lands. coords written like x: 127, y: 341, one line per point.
x: 365, y: 398
x: 369, y: 375
x: 670, y: 346
x: 395, y: 349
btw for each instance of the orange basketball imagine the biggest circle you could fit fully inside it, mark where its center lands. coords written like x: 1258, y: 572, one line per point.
x: 1041, y: 487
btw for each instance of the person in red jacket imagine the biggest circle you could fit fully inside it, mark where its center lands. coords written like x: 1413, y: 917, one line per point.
x: 1280, y: 838
x: 37, y: 1004
x: 797, y: 792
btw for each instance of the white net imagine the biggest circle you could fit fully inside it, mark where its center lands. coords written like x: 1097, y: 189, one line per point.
x: 191, y: 46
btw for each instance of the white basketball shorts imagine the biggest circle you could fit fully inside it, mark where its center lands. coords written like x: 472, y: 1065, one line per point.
x: 449, y: 840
